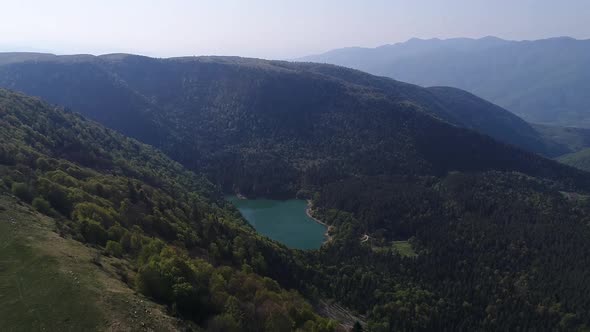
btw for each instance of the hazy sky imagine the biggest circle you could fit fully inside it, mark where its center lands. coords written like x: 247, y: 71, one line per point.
x: 273, y: 28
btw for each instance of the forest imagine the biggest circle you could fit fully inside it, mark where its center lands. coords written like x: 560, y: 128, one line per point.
x: 435, y: 226
x: 189, y: 249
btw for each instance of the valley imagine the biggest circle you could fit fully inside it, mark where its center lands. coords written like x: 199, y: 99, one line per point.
x: 183, y: 166
x: 444, y: 210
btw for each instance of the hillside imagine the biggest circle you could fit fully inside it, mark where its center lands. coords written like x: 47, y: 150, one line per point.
x: 148, y: 225
x: 543, y: 81
x: 572, y: 139
x: 124, y: 89
x: 53, y: 283
x: 241, y: 120
x: 498, y: 122
x: 580, y: 159
x: 435, y: 227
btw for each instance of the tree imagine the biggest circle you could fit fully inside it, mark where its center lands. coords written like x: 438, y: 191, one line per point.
x: 93, y: 232
x: 42, y: 206
x: 278, y: 321
x: 357, y: 327
x: 114, y: 248
x: 106, y: 216
x: 22, y: 191
x: 223, y: 323
x: 58, y: 198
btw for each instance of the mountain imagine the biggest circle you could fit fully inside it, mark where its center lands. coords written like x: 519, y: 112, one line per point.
x: 543, y: 81
x: 433, y: 226
x: 498, y: 122
x: 239, y: 119
x: 148, y: 225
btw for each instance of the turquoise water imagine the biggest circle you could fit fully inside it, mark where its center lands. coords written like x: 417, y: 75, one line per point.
x: 284, y: 221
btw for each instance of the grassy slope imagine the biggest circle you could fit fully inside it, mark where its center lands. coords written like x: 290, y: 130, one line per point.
x: 48, y: 283
x: 570, y: 138
x: 580, y: 159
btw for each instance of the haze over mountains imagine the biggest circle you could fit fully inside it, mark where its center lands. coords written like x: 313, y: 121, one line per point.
x: 543, y: 81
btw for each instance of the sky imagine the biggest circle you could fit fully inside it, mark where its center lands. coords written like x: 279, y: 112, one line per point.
x: 274, y: 29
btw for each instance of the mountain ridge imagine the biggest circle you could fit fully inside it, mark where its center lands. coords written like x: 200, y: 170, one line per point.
x: 540, y: 80
x: 136, y: 104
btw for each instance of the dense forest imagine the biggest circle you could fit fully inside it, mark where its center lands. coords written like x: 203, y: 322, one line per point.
x: 147, y: 98
x: 273, y: 128
x: 190, y: 250
x: 491, y: 251
x: 435, y: 226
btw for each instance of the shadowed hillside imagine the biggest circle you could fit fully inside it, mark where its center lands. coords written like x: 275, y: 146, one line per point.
x: 272, y: 128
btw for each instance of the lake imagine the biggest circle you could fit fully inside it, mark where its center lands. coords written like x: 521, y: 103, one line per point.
x: 283, y: 221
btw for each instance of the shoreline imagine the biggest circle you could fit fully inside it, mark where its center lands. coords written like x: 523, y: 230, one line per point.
x: 308, y: 212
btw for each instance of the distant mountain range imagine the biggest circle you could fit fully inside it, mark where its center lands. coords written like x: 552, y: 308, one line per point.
x: 544, y: 81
